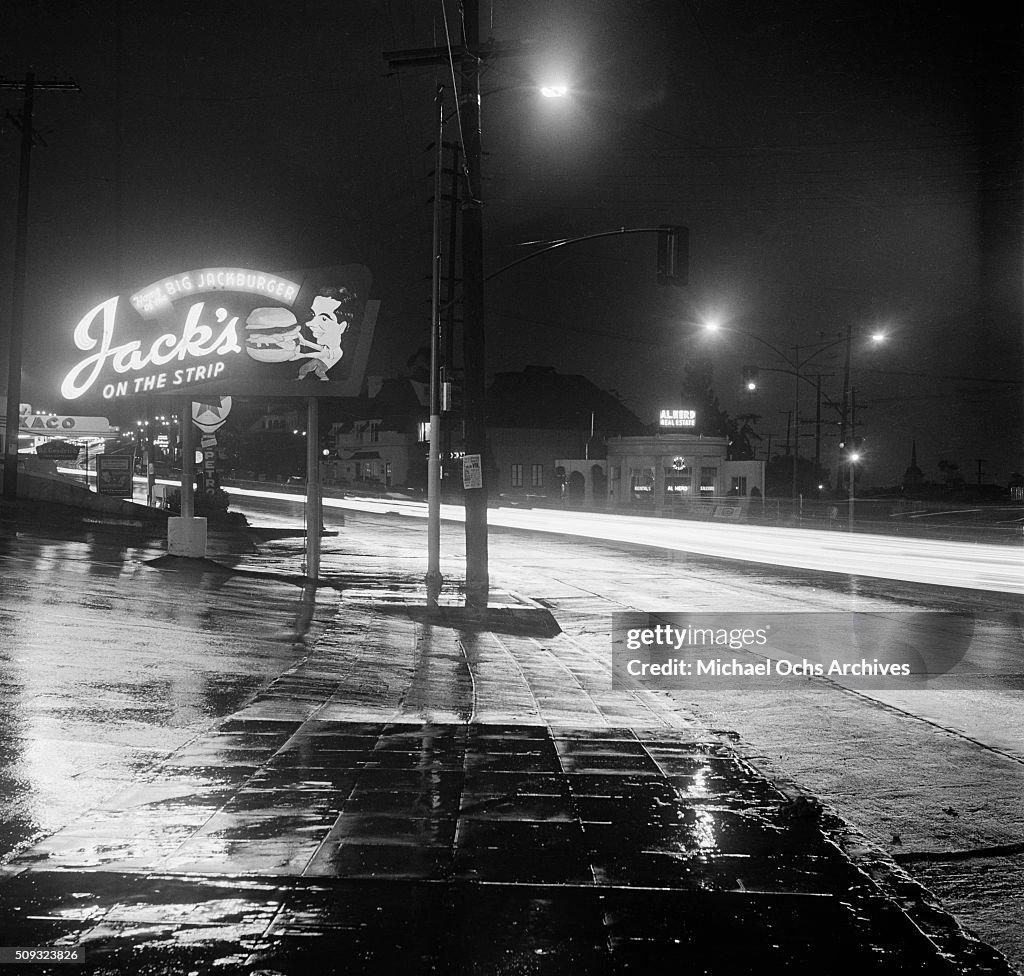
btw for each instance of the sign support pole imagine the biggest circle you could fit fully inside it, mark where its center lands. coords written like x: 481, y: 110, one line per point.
x: 186, y: 535
x: 314, y: 513
x: 188, y: 460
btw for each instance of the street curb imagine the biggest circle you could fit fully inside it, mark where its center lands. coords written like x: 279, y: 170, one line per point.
x: 964, y: 951
x: 523, y: 621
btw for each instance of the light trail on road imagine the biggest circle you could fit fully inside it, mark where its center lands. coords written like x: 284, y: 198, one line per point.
x: 976, y: 566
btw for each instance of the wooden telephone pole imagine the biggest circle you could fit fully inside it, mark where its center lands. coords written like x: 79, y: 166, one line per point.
x: 469, y: 56
x: 16, y: 325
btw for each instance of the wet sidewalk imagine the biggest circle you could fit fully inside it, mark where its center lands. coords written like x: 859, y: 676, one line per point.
x: 445, y: 794
x: 334, y: 847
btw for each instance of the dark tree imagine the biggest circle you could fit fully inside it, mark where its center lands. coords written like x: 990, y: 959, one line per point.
x: 742, y: 436
x: 698, y: 394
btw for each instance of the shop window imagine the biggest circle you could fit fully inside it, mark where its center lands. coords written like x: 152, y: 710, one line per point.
x: 708, y: 477
x: 641, y: 484
x: 678, y: 482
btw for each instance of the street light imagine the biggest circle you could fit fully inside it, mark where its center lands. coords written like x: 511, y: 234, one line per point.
x: 853, y: 458
x: 795, y: 365
x: 477, y: 573
x: 877, y: 337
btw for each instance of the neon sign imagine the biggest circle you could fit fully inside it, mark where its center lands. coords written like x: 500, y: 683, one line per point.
x: 56, y: 425
x: 228, y: 330
x: 197, y: 341
x: 678, y: 418
x: 149, y: 301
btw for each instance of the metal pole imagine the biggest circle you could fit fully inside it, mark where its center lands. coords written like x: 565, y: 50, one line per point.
x: 313, y: 513
x: 796, y: 426
x: 849, y: 515
x: 434, y: 578
x: 817, y: 430
x: 474, y: 361
x: 845, y: 407
x: 16, y: 333
x: 188, y: 460
x: 150, y: 467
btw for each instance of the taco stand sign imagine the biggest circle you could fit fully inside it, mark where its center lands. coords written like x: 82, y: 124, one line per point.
x: 229, y: 331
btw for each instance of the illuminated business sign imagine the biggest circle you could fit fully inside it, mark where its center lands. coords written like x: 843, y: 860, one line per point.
x: 230, y: 331
x: 55, y: 425
x: 678, y: 418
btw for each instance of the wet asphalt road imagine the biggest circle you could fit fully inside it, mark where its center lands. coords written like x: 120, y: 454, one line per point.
x: 215, y: 771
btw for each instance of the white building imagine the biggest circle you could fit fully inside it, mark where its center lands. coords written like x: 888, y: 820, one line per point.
x: 680, y: 472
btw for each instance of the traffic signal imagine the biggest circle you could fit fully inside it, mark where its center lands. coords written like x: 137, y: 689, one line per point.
x: 673, y: 255
x: 750, y: 376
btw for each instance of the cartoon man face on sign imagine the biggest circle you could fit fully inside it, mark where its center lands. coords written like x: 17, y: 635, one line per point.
x: 328, y: 324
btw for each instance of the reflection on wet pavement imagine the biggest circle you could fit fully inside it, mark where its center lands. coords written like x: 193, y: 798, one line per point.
x: 111, y: 659
x: 389, y: 795
x: 452, y: 848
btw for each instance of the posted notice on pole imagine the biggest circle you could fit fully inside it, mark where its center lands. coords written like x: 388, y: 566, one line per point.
x: 472, y: 471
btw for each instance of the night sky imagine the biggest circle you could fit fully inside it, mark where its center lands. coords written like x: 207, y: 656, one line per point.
x: 837, y: 164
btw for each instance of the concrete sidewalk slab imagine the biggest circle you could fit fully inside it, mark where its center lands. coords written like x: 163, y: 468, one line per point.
x: 359, y: 816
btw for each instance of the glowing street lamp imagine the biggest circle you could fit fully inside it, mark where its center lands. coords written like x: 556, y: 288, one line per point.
x: 477, y: 573
x: 796, y: 364
x: 853, y: 458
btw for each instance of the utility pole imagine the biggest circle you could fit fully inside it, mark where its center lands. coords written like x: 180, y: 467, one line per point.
x: 473, y: 358
x: 434, y: 579
x: 449, y: 327
x: 845, y: 407
x: 817, y: 429
x: 16, y: 328
x: 796, y: 429
x: 470, y: 55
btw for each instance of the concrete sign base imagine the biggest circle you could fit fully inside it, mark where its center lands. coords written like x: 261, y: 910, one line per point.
x: 186, y: 537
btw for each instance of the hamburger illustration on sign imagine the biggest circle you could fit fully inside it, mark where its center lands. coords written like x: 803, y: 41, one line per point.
x: 273, y: 335
x: 229, y: 331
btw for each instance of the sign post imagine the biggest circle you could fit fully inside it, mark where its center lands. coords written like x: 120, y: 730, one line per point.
x: 314, y: 515
x: 186, y: 534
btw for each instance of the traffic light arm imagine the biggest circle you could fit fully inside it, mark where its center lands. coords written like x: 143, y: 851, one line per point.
x: 673, y: 246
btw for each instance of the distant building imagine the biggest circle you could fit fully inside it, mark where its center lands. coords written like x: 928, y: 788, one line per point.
x: 678, y: 471
x: 537, y: 417
x: 913, y: 477
x: 375, y: 441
